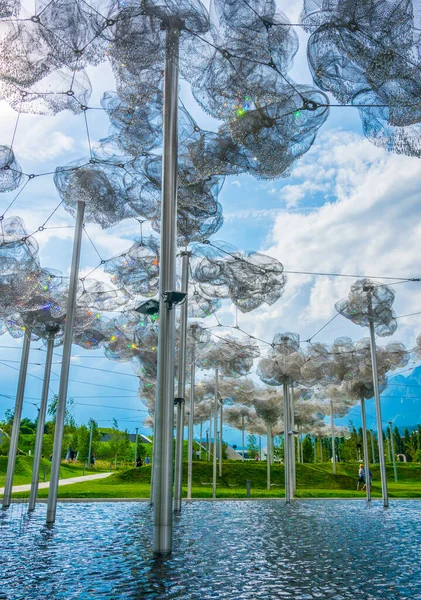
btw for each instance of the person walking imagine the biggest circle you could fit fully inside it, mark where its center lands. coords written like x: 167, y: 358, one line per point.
x: 361, y: 479
x: 367, y: 480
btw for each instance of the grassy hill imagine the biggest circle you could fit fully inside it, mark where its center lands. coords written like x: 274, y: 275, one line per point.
x: 23, y: 470
x: 313, y: 481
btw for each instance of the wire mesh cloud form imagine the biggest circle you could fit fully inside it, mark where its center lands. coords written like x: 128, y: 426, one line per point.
x: 248, y: 279
x: 370, y: 301
x: 368, y: 54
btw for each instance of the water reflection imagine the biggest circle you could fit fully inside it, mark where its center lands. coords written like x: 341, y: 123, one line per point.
x: 231, y: 550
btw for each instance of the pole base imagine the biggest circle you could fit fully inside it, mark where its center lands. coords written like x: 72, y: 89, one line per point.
x: 162, y: 539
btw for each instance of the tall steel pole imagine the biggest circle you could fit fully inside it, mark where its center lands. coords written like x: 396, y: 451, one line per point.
x: 373, y: 456
x: 293, y: 482
x: 135, y: 447
x: 41, y: 421
x: 215, y: 429
x: 268, y: 439
x: 287, y: 453
x: 153, y: 460
x: 164, y: 406
x: 191, y: 423
x: 210, y: 434
x: 389, y: 446
x: 365, y: 445
x: 221, y: 422
x: 90, y: 445
x: 242, y: 437
x: 332, y: 429
x: 65, y: 365
x: 395, y: 472
x: 17, y: 417
x: 299, y: 446
x: 200, y: 445
x: 181, y: 391
x: 302, y: 447
x: 378, y: 405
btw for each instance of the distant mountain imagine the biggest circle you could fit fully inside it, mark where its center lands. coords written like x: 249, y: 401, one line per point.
x: 400, y: 403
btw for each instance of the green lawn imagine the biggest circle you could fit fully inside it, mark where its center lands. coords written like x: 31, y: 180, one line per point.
x: 23, y: 470
x: 313, y: 481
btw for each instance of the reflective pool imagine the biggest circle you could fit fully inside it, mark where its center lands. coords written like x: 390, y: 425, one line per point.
x: 236, y: 550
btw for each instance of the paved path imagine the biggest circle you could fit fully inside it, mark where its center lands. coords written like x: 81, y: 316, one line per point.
x: 27, y: 487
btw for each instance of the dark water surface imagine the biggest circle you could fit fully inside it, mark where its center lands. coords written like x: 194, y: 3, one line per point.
x: 235, y: 550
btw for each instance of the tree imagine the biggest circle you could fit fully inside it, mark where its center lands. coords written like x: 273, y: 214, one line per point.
x: 278, y: 449
x: 115, y: 440
x: 125, y: 446
x: 308, y: 449
x: 350, y: 445
x: 140, y: 452
x: 252, y: 445
x: 408, y: 448
x: 69, y: 419
x: 27, y: 426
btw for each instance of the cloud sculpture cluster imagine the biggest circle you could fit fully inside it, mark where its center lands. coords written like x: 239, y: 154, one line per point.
x: 34, y: 299
x: 236, y: 58
x: 368, y: 54
x: 248, y: 279
x: 284, y: 361
x: 137, y: 270
x: 367, y: 302
x: 232, y: 355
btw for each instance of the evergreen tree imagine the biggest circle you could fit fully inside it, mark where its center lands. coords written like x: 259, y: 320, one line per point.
x: 397, y: 441
x: 308, y: 449
x: 252, y: 445
x: 408, y: 449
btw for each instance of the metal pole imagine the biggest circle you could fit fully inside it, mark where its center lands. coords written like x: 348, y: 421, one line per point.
x: 221, y: 419
x: 215, y: 428
x: 153, y: 460
x: 207, y: 444
x: 210, y: 434
x: 287, y: 454
x: 365, y: 445
x: 268, y: 436
x: 135, y: 448
x: 190, y: 434
x: 302, y: 447
x: 200, y: 445
x: 90, y: 445
x: 378, y: 406
x: 292, y: 480
x: 299, y: 445
x: 41, y: 422
x: 242, y: 437
x: 332, y: 428
x: 14, y: 437
x: 395, y: 472
x: 181, y: 390
x: 389, y: 448
x: 373, y: 456
x: 65, y: 366
x: 164, y: 406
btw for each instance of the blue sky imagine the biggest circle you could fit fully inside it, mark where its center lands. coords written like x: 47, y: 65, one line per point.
x: 347, y: 207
